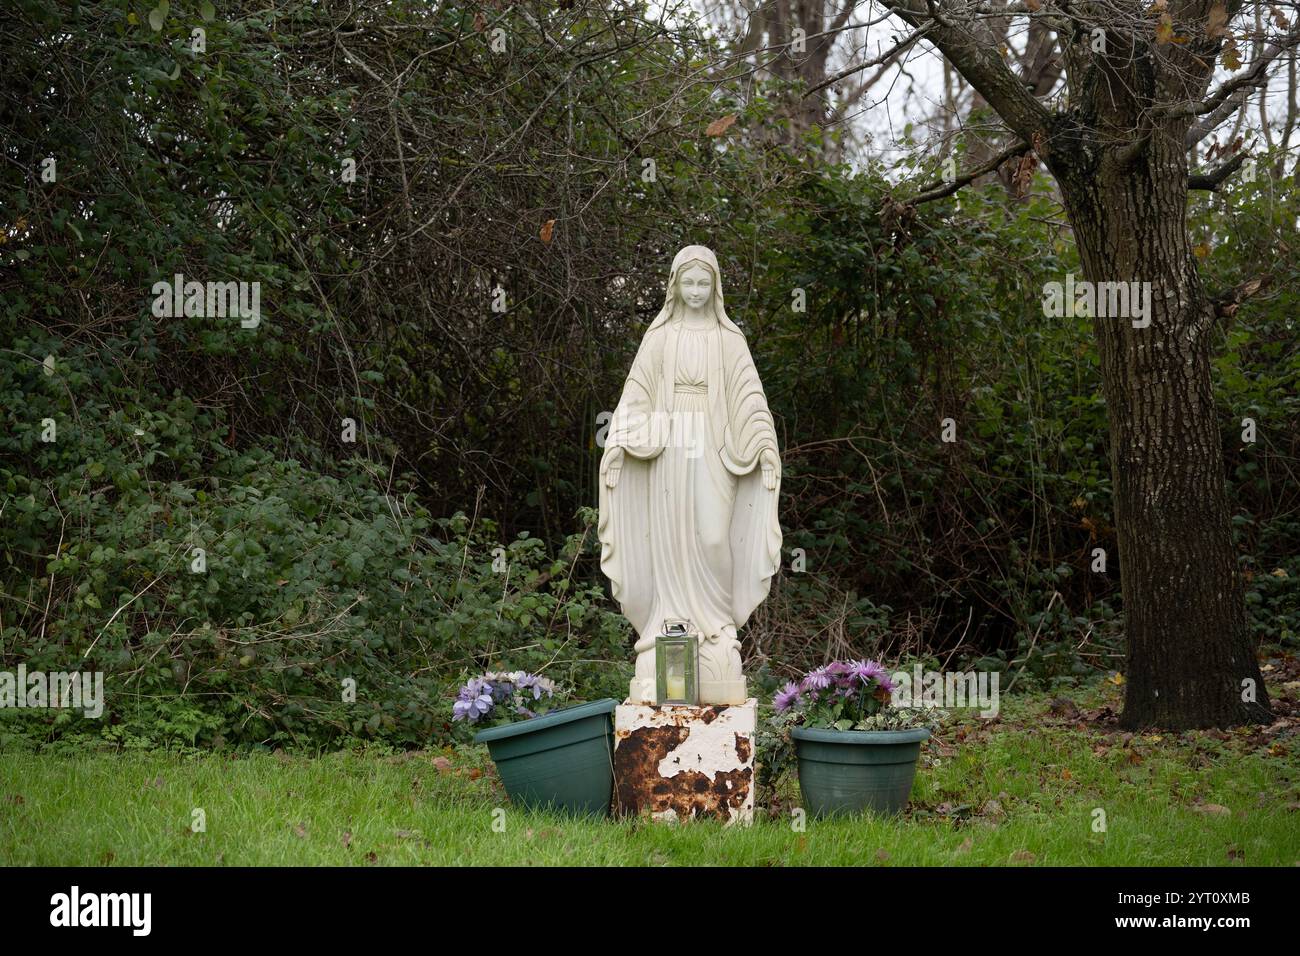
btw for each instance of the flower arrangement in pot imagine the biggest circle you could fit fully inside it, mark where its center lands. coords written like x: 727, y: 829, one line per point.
x: 548, y: 755
x: 855, y: 749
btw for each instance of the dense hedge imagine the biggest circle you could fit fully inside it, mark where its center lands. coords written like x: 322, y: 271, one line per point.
x: 231, y: 594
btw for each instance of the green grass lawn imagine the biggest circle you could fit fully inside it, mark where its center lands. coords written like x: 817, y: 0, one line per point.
x: 1023, y: 790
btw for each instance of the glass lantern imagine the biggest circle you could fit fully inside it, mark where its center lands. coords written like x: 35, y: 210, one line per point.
x: 677, y: 665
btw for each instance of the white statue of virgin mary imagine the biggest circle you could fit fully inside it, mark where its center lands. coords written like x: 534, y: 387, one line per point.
x: 689, y: 484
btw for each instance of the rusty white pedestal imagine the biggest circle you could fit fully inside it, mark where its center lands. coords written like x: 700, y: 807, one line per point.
x: 681, y: 762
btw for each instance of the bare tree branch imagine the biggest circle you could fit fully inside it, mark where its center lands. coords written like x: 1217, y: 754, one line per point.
x: 1217, y: 117
x: 979, y: 61
x: 940, y: 189
x: 1256, y: 76
x: 1213, y: 180
x: 877, y: 61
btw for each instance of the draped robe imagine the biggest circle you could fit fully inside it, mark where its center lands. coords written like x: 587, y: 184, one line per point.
x: 689, y: 532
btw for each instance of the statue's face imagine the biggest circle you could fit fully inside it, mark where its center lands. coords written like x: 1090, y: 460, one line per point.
x: 695, y: 286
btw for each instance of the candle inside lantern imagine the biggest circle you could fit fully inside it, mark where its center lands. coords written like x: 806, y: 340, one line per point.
x: 676, y: 665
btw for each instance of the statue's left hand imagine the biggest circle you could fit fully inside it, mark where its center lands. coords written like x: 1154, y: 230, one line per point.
x: 614, y: 466
x: 771, y: 468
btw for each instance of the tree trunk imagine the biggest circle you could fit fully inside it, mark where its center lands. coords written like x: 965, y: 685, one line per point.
x: 1190, y: 660
x: 1118, y: 153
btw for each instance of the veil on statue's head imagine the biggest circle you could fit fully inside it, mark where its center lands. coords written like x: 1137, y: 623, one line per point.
x: 689, y: 255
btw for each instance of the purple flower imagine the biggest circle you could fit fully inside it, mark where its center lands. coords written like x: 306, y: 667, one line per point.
x: 538, y: 685
x: 785, y: 698
x: 471, y: 708
x: 871, y: 671
x: 818, y: 679
x: 497, y: 693
x: 474, y: 700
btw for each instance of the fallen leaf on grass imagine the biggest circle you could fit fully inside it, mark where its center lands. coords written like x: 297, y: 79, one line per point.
x: 965, y: 846
x: 1212, y: 809
x: 882, y: 855
x: 942, y: 749
x: 442, y: 764
x: 300, y: 831
x: 1023, y: 856
x: 372, y: 857
x: 347, y: 839
x: 475, y: 773
x: 1064, y: 707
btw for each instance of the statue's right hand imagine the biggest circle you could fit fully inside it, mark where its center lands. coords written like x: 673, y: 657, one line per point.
x: 614, y: 467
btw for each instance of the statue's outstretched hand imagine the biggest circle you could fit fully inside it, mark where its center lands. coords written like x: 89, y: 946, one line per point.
x: 771, y: 469
x: 615, y: 466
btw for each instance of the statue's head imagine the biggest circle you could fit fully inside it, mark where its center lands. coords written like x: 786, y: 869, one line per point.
x: 694, y: 282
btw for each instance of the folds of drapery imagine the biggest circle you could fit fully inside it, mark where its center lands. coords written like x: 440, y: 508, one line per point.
x: 740, y: 428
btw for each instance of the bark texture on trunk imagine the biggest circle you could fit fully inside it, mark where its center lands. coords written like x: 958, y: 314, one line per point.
x: 1118, y: 153
x: 1190, y: 660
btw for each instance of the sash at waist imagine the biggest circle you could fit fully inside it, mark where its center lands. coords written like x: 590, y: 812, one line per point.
x: 682, y: 389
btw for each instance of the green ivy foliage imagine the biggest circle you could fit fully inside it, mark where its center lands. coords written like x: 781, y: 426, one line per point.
x: 308, y: 582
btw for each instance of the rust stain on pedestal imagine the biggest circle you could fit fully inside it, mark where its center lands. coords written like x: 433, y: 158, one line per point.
x: 690, y: 794
x: 742, y: 748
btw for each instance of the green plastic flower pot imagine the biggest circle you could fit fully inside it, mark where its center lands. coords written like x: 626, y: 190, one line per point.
x: 562, y: 761
x: 847, y: 771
